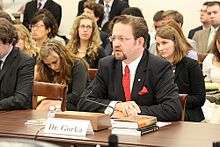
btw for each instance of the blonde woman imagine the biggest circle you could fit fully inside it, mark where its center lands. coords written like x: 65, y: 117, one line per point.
x: 85, y: 40
x: 25, y: 41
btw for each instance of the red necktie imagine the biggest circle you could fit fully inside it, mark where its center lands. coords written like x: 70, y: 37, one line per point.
x: 126, y: 83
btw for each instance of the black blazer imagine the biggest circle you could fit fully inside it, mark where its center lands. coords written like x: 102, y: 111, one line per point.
x: 78, y: 82
x: 80, y: 7
x: 192, y: 32
x: 50, y: 5
x: 16, y: 79
x: 161, y: 98
x: 189, y: 79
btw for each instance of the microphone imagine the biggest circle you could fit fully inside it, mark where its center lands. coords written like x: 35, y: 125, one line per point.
x: 113, y: 141
x: 109, y: 109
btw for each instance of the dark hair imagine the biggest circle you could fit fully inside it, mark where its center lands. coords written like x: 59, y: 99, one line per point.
x: 134, y: 11
x: 215, y: 50
x: 48, y: 20
x: 98, y: 10
x: 8, y: 33
x: 212, y: 3
x: 6, y: 16
x: 138, y: 24
x: 158, y: 16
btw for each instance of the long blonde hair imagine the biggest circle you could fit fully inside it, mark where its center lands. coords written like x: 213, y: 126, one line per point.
x: 29, y: 44
x: 94, y: 41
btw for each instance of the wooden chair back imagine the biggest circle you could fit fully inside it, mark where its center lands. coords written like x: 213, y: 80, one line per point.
x: 92, y: 73
x: 183, y: 99
x: 50, y: 91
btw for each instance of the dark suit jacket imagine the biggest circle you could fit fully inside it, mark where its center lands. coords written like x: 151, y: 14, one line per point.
x: 117, y: 7
x: 156, y: 75
x: 80, y: 7
x: 31, y: 9
x: 192, y: 32
x: 189, y: 78
x: 79, y: 74
x: 16, y: 79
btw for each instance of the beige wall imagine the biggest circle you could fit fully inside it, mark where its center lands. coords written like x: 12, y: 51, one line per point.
x: 189, y: 8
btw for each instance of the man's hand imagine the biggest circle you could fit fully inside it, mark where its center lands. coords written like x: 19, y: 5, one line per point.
x: 129, y: 108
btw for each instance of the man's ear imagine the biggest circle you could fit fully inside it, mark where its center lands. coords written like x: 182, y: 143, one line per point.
x: 140, y: 41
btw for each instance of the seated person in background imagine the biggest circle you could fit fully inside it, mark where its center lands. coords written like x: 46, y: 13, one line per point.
x: 129, y: 81
x: 211, y: 71
x: 211, y: 64
x: 16, y: 71
x: 44, y: 27
x: 57, y: 65
x: 85, y: 40
x: 188, y: 74
x: 96, y: 11
x: 25, y: 42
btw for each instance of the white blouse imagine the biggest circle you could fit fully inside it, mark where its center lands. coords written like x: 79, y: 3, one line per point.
x: 212, y: 72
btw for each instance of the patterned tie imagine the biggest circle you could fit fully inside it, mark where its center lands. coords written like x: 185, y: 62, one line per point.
x: 126, y: 83
x: 106, y: 15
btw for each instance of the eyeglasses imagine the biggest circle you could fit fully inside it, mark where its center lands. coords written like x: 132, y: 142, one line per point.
x: 37, y: 26
x: 88, y: 27
x: 120, y: 38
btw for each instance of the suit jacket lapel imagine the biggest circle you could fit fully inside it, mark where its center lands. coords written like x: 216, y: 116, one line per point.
x: 8, y: 62
x: 141, y: 74
x: 47, y: 4
x: 117, y: 80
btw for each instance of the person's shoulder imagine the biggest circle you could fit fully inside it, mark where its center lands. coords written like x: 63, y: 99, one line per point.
x: 156, y: 60
x: 189, y: 62
x: 108, y: 60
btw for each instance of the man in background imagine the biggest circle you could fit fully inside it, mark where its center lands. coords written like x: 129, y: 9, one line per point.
x: 35, y: 5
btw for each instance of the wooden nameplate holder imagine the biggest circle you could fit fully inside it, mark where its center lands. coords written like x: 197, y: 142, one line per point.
x: 99, y: 121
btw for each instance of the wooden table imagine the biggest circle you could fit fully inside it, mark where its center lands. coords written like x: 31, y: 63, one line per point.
x: 178, y: 134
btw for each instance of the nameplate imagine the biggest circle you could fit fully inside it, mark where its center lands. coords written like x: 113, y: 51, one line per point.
x: 68, y: 127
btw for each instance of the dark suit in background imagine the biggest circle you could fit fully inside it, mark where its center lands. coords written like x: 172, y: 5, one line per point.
x: 192, y: 32
x: 16, y: 79
x: 31, y: 9
x: 189, y: 78
x: 153, y: 89
x: 117, y: 7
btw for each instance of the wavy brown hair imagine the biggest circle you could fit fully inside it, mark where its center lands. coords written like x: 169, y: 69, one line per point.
x: 168, y: 32
x: 94, y: 41
x: 46, y: 74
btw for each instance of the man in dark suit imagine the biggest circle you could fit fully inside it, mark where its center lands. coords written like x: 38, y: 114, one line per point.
x: 115, y: 8
x: 16, y: 71
x: 205, y: 20
x: 133, y: 81
x: 33, y: 6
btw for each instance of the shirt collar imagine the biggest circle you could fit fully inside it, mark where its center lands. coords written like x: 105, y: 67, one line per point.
x: 133, y: 65
x: 4, y: 58
x: 42, y: 2
x: 110, y: 3
x: 214, y: 29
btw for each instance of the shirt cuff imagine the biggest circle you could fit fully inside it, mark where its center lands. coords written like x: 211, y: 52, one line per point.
x: 110, y: 108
